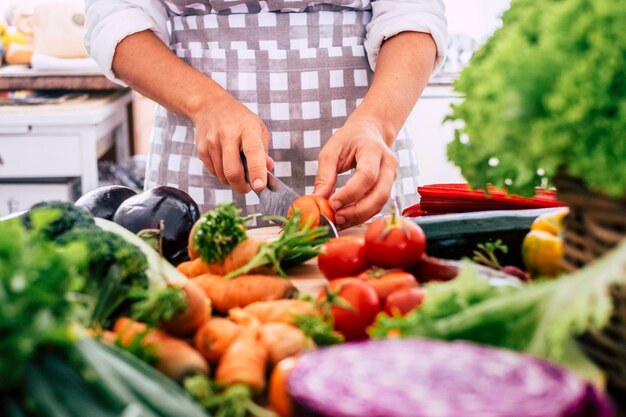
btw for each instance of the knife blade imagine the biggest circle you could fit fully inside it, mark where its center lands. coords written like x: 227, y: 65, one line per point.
x: 276, y: 198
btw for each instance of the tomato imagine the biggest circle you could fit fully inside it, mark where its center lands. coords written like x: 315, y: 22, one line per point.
x: 405, y: 300
x: 386, y: 282
x: 278, y: 393
x: 342, y: 257
x: 394, y: 242
x: 362, y: 306
x: 312, y: 206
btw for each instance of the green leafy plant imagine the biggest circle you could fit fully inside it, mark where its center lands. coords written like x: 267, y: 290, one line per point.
x: 546, y: 92
x: 218, y: 232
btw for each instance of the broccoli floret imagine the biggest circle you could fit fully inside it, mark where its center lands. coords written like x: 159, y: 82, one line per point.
x: 106, y: 249
x: 115, y: 268
x: 71, y: 217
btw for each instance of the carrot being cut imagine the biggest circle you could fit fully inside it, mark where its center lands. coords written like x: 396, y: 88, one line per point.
x: 214, y: 337
x: 177, y: 309
x: 243, y: 290
x: 284, y: 311
x: 244, y: 361
x: 312, y: 207
x: 175, y: 358
x: 282, y: 341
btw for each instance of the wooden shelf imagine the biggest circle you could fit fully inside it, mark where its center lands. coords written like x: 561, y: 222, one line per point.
x: 24, y: 78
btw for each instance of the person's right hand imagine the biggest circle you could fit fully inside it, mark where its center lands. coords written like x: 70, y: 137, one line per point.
x: 224, y: 128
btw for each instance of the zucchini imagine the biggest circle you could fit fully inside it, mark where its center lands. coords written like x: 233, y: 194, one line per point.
x: 455, y: 236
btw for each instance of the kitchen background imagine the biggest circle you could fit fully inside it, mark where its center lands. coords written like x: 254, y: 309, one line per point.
x: 64, y: 129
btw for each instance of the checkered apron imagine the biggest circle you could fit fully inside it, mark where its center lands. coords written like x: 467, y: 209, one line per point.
x: 299, y: 64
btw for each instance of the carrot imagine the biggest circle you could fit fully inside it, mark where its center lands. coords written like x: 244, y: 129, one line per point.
x: 185, y: 268
x: 389, y: 282
x: 282, y: 341
x: 312, y: 207
x: 244, y: 361
x: 243, y: 290
x: 214, y: 337
x: 199, y: 267
x: 174, y: 357
x: 177, y: 309
x: 284, y: 311
x: 196, y: 313
x: 242, y: 254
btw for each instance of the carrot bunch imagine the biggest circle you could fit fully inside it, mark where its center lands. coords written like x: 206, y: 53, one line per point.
x: 222, y: 361
x: 218, y: 244
x: 242, y: 348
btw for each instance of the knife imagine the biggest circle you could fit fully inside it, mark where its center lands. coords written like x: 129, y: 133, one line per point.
x: 276, y: 198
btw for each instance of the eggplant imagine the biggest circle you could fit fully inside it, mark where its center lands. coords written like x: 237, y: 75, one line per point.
x: 104, y: 201
x: 164, y: 215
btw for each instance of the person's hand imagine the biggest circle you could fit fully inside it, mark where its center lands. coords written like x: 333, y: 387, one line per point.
x: 358, y: 144
x: 224, y: 128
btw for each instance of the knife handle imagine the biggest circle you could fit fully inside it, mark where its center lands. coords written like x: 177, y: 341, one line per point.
x: 244, y: 162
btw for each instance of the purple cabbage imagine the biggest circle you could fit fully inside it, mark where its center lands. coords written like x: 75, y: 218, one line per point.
x: 422, y: 378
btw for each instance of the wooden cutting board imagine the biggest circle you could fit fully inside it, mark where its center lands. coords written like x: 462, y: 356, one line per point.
x: 307, y: 278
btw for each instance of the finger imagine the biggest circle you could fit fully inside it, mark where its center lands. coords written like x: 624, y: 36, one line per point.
x: 326, y: 177
x: 202, y: 148
x: 269, y: 162
x: 252, y: 145
x: 372, y: 203
x: 233, y: 167
x: 215, y: 156
x: 368, y: 165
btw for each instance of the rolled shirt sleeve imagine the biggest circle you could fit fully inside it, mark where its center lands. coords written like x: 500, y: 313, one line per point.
x: 390, y: 17
x: 108, y: 22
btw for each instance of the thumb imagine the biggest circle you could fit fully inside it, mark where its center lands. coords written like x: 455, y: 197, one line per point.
x: 326, y: 177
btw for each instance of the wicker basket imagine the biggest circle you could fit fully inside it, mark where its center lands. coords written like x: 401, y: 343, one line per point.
x: 596, y: 223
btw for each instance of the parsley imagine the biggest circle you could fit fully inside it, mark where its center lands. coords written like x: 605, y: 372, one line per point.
x: 218, y: 232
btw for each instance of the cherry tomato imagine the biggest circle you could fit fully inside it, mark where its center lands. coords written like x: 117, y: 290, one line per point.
x: 386, y: 282
x: 279, y: 398
x: 342, y: 257
x: 394, y: 242
x: 362, y: 306
x: 404, y: 301
x: 312, y: 206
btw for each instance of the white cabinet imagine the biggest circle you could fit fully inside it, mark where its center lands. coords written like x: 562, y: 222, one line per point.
x: 431, y: 135
x: 45, y: 150
x: 15, y: 197
x: 33, y: 156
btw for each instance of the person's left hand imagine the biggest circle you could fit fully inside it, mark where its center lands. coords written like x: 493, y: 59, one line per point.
x: 358, y: 144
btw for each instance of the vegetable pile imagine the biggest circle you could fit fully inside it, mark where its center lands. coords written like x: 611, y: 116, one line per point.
x: 90, y: 303
x: 546, y: 92
x: 49, y: 365
x: 223, y: 360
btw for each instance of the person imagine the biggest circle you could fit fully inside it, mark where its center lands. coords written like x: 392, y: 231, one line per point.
x: 317, y: 90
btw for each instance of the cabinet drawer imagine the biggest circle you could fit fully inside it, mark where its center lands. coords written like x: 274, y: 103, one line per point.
x: 16, y: 197
x: 31, y: 156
